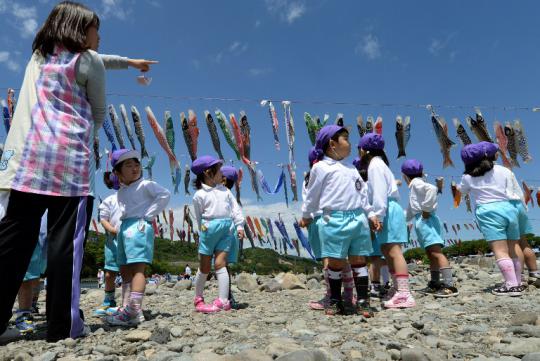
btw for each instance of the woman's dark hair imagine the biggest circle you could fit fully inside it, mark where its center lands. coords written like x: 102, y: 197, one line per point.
x: 66, y: 25
x: 107, y: 180
x: 479, y: 168
x: 335, y: 138
x: 366, y: 159
x: 198, y: 182
x: 363, y: 174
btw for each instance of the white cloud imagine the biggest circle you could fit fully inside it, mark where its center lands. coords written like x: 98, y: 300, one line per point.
x: 219, y: 57
x: 115, y: 9
x: 257, y: 23
x: 288, y: 11
x: 23, y: 18
x: 6, y: 59
x: 369, y: 47
x: 440, y: 47
x: 238, y: 47
x: 436, y: 46
x: 259, y: 71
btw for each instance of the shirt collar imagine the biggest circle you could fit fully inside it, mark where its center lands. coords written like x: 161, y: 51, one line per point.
x: 416, y: 180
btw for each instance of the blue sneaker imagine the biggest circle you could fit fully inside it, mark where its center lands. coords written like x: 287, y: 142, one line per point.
x: 25, y: 323
x: 105, y: 309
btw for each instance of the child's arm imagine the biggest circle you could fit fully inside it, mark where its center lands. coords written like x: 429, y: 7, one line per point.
x: 313, y: 195
x: 160, y: 198
x: 197, y: 209
x: 108, y: 227
x: 113, y: 62
x: 237, y: 216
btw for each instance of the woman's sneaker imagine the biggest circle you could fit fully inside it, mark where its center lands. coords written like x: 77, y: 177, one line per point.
x: 446, y: 291
x: 400, y: 299
x: 25, y: 323
x: 503, y: 290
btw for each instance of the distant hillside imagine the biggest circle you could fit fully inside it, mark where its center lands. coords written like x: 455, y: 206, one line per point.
x: 172, y: 257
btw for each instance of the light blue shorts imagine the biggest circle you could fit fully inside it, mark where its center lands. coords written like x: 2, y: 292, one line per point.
x: 111, y: 254
x: 313, y: 238
x: 428, y: 230
x: 232, y: 256
x: 38, y: 264
x: 498, y: 221
x: 343, y: 234
x: 216, y: 236
x: 525, y: 226
x: 394, y: 228
x: 135, y: 242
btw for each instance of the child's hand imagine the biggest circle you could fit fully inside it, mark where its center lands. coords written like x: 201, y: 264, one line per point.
x: 241, y: 234
x: 304, y: 222
x: 141, y: 64
x: 375, y: 224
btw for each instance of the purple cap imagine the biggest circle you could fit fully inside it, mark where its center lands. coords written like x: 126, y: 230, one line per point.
x: 312, y: 156
x: 229, y: 172
x: 473, y: 153
x: 356, y: 163
x: 115, y: 181
x: 204, y: 162
x: 323, y: 138
x: 121, y: 155
x: 371, y: 141
x: 490, y: 148
x: 412, y: 167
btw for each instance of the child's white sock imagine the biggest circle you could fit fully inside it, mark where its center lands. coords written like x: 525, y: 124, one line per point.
x: 223, y: 283
x: 200, y: 280
x: 126, y: 292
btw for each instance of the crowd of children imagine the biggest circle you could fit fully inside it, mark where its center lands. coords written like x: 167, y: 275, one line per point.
x: 356, y: 225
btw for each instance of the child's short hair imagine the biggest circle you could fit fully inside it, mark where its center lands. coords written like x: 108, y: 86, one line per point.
x: 66, y: 25
x: 198, y: 182
x: 479, y: 168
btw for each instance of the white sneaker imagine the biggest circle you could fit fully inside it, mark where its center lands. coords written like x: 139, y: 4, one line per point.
x: 400, y: 299
x: 10, y: 334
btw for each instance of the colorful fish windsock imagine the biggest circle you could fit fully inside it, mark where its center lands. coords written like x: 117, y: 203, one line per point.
x: 311, y: 127
x: 303, y: 239
x: 289, y: 124
x: 273, y: 120
x: 212, y: 129
x: 227, y: 131
x: 193, y: 131
x: 137, y: 123
x: 266, y: 187
x: 441, y: 132
x: 116, y: 126
x: 378, y: 125
x: 294, y: 188
x: 127, y: 125
x: 456, y: 194
x: 527, y: 194
x: 109, y: 134
x: 171, y: 224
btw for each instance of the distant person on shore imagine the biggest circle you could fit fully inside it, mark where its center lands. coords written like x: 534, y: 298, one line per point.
x: 218, y: 217
x: 187, y: 272
x: 427, y: 225
x: 100, y: 278
x: 139, y: 201
x: 497, y: 217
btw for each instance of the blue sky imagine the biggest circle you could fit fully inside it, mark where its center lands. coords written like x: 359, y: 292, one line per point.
x: 455, y: 53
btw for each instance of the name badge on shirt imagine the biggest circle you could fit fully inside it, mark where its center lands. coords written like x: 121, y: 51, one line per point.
x: 358, y: 184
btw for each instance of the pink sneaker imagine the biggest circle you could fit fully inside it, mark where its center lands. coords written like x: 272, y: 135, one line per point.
x: 400, y: 299
x: 198, y: 302
x: 319, y: 305
x: 224, y: 306
x: 214, y: 307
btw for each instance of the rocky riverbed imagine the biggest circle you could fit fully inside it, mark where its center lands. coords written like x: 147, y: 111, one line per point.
x: 277, y: 324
